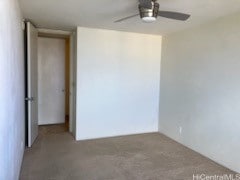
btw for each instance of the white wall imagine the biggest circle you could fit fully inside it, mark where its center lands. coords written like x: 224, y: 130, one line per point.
x: 12, y: 122
x: 118, y: 77
x: 200, y: 89
x: 51, y: 80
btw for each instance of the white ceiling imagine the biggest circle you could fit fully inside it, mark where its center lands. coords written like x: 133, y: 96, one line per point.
x: 68, y: 14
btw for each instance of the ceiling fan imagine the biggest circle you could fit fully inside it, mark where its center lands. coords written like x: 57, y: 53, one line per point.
x: 149, y: 11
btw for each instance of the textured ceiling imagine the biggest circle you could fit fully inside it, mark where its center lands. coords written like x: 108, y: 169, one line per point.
x: 67, y: 14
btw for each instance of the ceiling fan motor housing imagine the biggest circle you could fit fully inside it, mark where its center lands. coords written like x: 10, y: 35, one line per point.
x: 145, y: 12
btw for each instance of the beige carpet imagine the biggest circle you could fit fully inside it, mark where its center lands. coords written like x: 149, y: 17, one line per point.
x: 56, y: 156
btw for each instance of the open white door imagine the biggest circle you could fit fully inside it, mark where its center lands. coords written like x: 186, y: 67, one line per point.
x: 32, y: 83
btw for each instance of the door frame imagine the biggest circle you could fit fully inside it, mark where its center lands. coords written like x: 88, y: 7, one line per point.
x: 72, y: 60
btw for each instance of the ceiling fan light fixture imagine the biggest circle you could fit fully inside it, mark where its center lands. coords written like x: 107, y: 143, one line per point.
x: 149, y: 19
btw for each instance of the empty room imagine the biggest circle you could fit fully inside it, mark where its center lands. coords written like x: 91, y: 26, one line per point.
x: 119, y: 90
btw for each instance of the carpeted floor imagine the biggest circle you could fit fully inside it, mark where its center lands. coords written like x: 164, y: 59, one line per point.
x: 57, y: 156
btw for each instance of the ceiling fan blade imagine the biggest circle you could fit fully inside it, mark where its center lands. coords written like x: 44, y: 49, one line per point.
x: 174, y: 15
x: 123, y: 19
x: 146, y: 4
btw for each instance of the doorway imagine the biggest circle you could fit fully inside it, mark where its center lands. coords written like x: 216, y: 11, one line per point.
x: 50, y: 69
x: 53, y: 83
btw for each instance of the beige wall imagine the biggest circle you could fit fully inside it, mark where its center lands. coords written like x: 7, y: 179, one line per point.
x: 12, y: 118
x: 118, y: 76
x: 200, y: 89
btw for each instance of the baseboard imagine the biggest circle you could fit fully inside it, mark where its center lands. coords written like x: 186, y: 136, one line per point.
x: 119, y: 135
